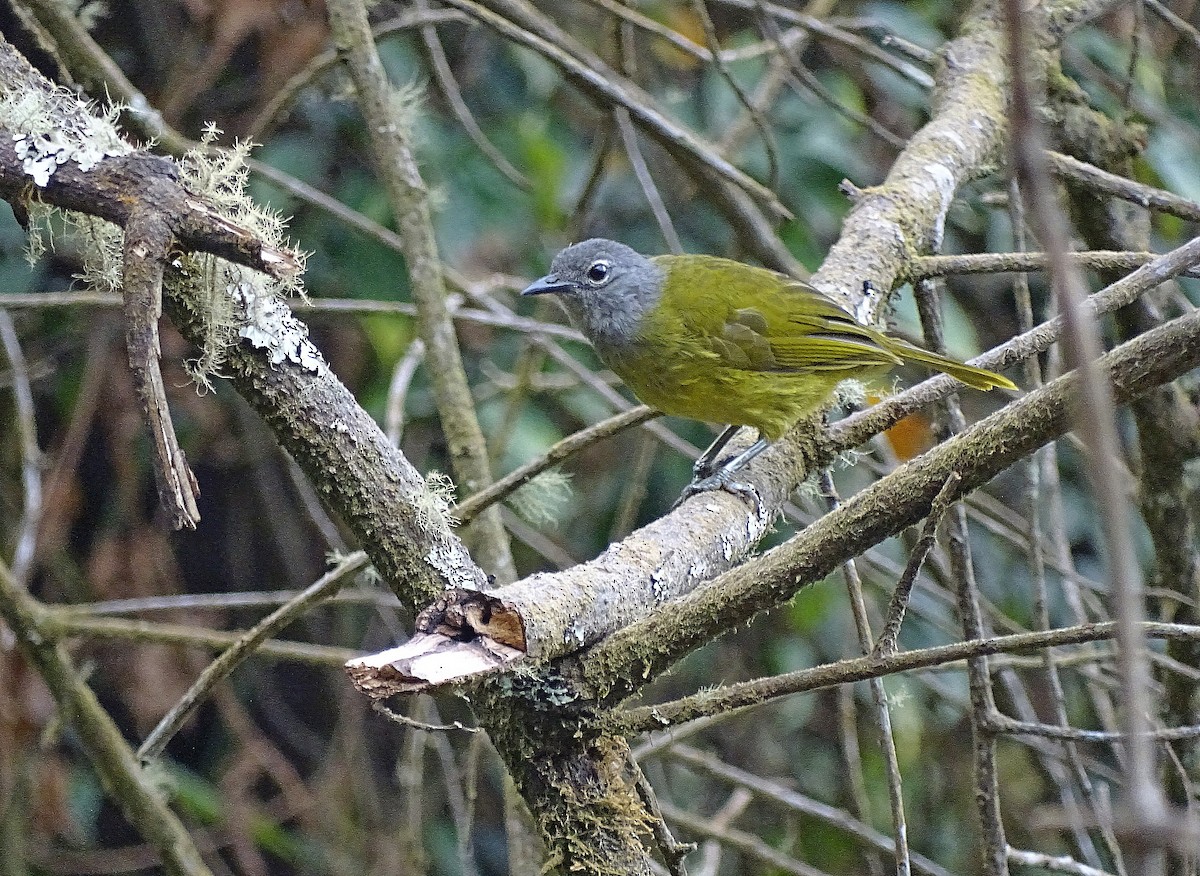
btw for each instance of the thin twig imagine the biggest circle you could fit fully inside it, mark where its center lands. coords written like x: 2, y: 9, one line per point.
x: 710, y: 851
x: 883, y: 716
x: 889, y: 636
x: 930, y: 266
x: 443, y: 76
x: 1056, y: 863
x: 797, y: 802
x: 672, y: 850
x: 1037, y: 554
x: 756, y: 692
x: 638, y: 162
x: 983, y: 704
x: 722, y: 67
x: 746, y: 843
x: 402, y: 375
x: 1005, y: 724
x: 406, y: 721
x: 31, y: 455
x: 1188, y: 30
x: 1106, y: 182
x: 1145, y: 806
x: 564, y: 449
x: 219, y: 602
x: 522, y: 25
x: 511, y: 321
x: 221, y: 668
x: 834, y: 34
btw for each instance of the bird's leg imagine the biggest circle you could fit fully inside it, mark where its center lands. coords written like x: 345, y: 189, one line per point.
x: 706, y: 464
x: 722, y: 478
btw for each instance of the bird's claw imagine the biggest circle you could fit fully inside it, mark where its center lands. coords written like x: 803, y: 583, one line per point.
x: 722, y: 480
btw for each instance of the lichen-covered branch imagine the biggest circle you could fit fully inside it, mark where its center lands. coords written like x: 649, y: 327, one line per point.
x: 235, y: 316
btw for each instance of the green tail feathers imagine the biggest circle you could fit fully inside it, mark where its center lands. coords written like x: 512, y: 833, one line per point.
x: 977, y: 378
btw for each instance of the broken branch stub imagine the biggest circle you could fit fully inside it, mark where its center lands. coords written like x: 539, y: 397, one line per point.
x: 463, y: 635
x: 467, y: 633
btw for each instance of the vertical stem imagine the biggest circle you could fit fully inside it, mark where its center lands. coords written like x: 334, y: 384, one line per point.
x: 887, y: 741
x: 390, y: 134
x: 1144, y: 812
x: 979, y: 679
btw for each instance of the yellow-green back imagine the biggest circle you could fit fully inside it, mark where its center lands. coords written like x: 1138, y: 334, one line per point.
x: 733, y: 343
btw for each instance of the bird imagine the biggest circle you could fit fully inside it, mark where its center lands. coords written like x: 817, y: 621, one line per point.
x: 713, y: 339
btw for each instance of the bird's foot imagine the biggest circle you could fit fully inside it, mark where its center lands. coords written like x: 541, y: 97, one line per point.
x: 723, y: 480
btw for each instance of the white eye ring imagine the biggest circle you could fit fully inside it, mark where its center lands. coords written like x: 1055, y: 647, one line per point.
x: 599, y: 272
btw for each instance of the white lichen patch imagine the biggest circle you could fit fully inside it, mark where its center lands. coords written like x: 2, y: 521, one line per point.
x: 267, y: 323
x: 575, y: 635
x: 850, y: 393
x: 941, y: 182
x: 239, y: 302
x: 659, y: 586
x: 51, y: 130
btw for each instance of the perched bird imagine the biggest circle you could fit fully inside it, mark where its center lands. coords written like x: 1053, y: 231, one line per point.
x: 712, y: 339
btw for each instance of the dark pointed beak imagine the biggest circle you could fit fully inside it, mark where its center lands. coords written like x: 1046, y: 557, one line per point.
x: 548, y: 283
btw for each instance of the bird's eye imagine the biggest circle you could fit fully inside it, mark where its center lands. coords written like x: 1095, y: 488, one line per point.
x: 598, y: 272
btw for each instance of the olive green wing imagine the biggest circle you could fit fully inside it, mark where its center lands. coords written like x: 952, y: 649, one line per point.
x: 759, y: 320
x: 808, y: 331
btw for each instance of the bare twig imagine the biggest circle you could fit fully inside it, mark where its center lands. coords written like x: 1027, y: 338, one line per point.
x: 147, y: 247
x: 797, y: 802
x: 564, y: 449
x: 31, y: 455
x: 1056, y: 863
x: 889, y: 636
x: 883, y: 716
x: 1037, y: 554
x: 653, y: 197
x: 406, y: 721
x: 1100, y: 180
x: 1188, y: 30
x: 444, y: 77
x: 1144, y: 807
x: 753, y: 693
x: 930, y: 266
x: 220, y: 669
x: 402, y: 375
x: 746, y: 843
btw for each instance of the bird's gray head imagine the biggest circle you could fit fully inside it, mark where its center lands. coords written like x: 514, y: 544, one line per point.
x: 605, y: 287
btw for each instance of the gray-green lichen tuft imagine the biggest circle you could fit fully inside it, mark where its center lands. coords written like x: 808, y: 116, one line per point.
x: 239, y: 303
